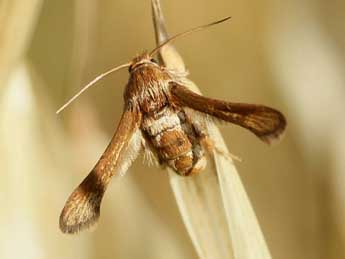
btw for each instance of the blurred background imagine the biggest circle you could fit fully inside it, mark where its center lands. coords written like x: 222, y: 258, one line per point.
x: 286, y: 54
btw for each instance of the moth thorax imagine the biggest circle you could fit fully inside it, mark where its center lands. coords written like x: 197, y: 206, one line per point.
x: 152, y: 100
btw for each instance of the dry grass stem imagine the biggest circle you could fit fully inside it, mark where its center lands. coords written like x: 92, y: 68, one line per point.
x: 214, y: 205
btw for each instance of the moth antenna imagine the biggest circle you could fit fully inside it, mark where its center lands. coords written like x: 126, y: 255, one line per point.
x: 92, y: 83
x: 186, y: 33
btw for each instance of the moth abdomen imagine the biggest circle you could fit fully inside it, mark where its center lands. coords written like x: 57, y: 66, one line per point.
x: 173, y: 139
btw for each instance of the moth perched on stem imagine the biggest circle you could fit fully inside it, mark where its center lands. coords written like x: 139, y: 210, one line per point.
x: 166, y: 120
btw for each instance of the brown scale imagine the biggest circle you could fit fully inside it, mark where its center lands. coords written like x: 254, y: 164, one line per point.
x: 171, y: 135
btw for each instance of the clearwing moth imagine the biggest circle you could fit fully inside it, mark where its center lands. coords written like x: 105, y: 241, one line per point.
x: 166, y: 120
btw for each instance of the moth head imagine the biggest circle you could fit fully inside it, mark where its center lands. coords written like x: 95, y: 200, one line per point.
x: 143, y: 59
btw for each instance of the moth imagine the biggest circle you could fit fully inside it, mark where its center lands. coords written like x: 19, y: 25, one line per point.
x: 165, y: 119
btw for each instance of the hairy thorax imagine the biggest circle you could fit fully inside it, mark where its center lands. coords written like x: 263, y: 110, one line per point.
x: 166, y: 127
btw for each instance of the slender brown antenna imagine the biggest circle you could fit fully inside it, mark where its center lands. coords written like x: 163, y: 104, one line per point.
x: 186, y: 33
x: 90, y: 84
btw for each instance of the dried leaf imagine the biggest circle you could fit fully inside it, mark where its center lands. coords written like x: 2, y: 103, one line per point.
x: 214, y: 205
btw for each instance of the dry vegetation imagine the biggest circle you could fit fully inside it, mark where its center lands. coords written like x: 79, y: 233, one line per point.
x: 286, y: 55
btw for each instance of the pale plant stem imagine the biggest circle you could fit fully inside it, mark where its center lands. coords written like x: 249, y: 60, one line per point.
x: 214, y: 205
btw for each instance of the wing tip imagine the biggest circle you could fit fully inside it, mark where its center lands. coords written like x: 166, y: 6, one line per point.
x: 81, y: 211
x: 77, y: 227
x: 275, y: 135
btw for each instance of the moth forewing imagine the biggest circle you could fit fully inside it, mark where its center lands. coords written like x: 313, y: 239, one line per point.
x: 266, y: 123
x: 82, y: 208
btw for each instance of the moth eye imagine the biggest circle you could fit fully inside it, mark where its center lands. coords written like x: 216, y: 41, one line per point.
x: 153, y: 60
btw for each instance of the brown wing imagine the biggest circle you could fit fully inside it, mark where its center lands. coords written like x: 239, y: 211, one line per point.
x: 266, y: 123
x: 82, y: 208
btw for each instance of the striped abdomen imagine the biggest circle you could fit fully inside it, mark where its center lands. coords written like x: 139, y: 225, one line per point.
x: 174, y: 140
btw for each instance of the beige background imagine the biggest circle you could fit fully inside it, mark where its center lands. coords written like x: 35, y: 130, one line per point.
x: 285, y: 54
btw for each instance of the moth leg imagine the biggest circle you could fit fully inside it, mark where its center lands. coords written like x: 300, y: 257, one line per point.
x: 210, y: 146
x: 200, y: 124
